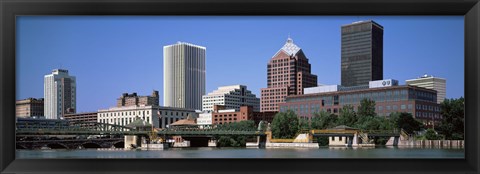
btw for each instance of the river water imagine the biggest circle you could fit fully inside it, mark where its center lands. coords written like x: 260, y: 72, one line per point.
x: 212, y: 152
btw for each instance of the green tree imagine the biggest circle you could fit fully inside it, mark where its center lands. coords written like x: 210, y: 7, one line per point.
x: 323, y: 120
x: 405, y: 121
x: 235, y: 140
x: 369, y: 123
x: 304, y: 124
x: 432, y: 135
x: 387, y: 123
x: 227, y: 141
x: 347, y: 116
x: 366, y: 108
x: 285, y: 125
x: 452, y: 125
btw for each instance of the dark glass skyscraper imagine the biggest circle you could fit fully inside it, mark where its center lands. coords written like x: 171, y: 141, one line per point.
x: 362, y: 53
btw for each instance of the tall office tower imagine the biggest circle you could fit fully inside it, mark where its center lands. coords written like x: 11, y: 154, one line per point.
x: 362, y: 53
x: 288, y: 73
x: 59, y: 94
x: 183, y: 75
x: 430, y: 82
x: 232, y: 97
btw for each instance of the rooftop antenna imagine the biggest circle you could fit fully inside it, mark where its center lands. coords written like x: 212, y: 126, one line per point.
x: 289, y: 39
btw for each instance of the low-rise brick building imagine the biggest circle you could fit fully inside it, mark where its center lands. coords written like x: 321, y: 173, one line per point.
x: 220, y: 115
x: 87, y: 117
x: 420, y: 102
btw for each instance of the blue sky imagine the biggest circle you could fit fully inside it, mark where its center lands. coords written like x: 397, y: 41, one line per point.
x: 111, y: 55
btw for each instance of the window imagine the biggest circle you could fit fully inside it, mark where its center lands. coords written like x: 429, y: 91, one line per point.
x: 403, y: 107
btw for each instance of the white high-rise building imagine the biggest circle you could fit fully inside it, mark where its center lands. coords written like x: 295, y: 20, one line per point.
x: 60, y: 94
x: 183, y: 75
x: 232, y: 97
x: 430, y: 82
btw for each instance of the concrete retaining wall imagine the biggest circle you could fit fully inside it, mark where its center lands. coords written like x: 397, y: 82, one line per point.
x: 181, y: 144
x: 432, y: 143
x: 288, y: 145
x: 154, y: 146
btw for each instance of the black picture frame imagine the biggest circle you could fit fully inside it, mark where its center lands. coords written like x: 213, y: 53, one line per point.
x: 9, y: 9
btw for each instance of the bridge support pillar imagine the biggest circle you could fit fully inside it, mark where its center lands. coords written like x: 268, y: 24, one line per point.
x: 355, y: 140
x: 349, y: 141
x: 212, y: 143
x: 262, y: 141
x: 132, y: 141
x: 393, y: 141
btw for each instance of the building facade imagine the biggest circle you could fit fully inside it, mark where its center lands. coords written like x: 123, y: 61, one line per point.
x: 288, y: 72
x: 29, y: 107
x: 183, y: 75
x: 159, y: 116
x: 420, y: 102
x: 134, y: 100
x: 86, y: 117
x: 430, y: 82
x: 362, y: 53
x: 232, y: 97
x: 221, y: 115
x: 60, y: 94
x: 204, y: 119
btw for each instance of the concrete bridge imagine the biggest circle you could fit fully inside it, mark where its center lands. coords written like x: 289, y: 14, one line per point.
x: 70, y: 143
x: 41, y: 128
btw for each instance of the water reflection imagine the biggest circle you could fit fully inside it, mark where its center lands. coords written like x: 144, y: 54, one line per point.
x: 212, y: 152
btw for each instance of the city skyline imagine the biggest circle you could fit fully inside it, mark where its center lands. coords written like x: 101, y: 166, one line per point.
x: 105, y: 78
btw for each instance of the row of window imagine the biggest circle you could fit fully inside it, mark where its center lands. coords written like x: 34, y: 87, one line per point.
x: 313, y: 108
x: 428, y: 115
x: 225, y: 115
x: 427, y: 107
x: 122, y: 121
x: 140, y: 113
x: 128, y: 113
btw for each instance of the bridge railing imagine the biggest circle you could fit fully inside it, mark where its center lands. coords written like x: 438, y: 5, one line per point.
x: 382, y: 132
x: 208, y: 132
x: 69, y: 126
x: 73, y: 127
